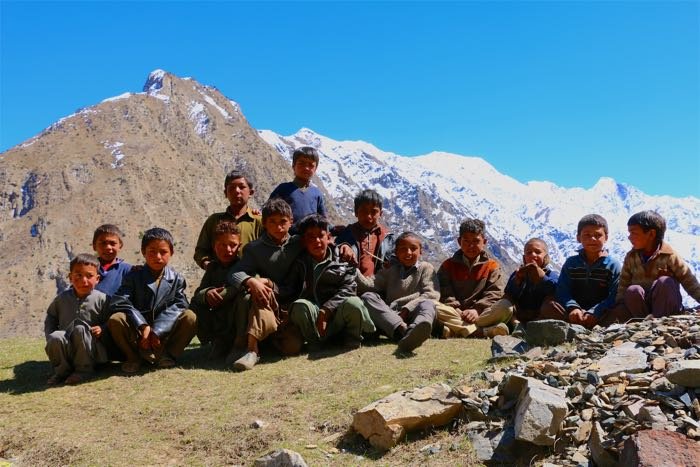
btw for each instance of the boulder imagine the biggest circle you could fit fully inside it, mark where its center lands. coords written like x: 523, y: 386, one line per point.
x: 508, y: 346
x: 384, y: 422
x: 547, y: 332
x: 684, y: 373
x: 625, y: 358
x: 281, y: 458
x: 650, y: 448
x: 540, y: 413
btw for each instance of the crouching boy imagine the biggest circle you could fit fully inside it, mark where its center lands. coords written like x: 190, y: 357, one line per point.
x: 327, y: 307
x: 409, y: 287
x: 75, y: 322
x: 150, y: 319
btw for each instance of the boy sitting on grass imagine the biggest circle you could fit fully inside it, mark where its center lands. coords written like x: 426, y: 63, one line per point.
x: 410, y: 289
x: 588, y: 281
x: 366, y: 244
x: 212, y: 302
x: 327, y: 307
x: 263, y: 267
x: 75, y: 321
x: 150, y: 319
x: 107, y: 242
x: 471, y: 284
x: 238, y: 190
x: 652, y: 272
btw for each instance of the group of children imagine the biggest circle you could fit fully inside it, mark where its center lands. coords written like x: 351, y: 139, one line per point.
x: 286, y: 279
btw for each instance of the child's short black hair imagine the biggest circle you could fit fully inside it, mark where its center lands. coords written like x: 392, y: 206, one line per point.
x: 474, y: 226
x: 276, y: 206
x: 648, y: 220
x: 157, y: 233
x: 313, y: 220
x: 225, y: 227
x: 234, y: 175
x: 595, y: 220
x: 107, y: 229
x: 406, y: 235
x: 367, y: 197
x: 305, y: 151
x: 87, y: 259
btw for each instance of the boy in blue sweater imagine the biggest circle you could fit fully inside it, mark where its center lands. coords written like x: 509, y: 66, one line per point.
x: 588, y: 281
x: 107, y: 242
x: 303, y: 197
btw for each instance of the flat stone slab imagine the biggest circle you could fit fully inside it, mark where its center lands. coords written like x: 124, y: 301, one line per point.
x: 508, y: 346
x: 281, y: 458
x: 386, y: 421
x: 625, y: 358
x: 684, y: 373
x: 651, y: 448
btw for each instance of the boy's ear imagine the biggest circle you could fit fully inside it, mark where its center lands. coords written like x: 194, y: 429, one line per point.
x: 578, y: 238
x: 486, y: 240
x: 252, y: 191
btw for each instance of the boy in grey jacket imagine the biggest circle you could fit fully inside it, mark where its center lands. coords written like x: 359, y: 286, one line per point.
x: 74, y: 324
x: 410, y: 289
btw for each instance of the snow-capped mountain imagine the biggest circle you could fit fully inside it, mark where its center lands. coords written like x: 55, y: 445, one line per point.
x: 433, y: 193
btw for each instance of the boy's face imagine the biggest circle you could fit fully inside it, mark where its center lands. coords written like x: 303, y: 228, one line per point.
x: 408, y: 251
x: 83, y: 278
x: 471, y: 244
x: 368, y: 215
x: 304, y: 168
x: 238, y: 192
x: 316, y: 241
x: 226, y: 247
x: 107, y: 247
x: 157, y: 254
x: 535, y: 252
x: 641, y: 240
x: 592, y: 238
x: 277, y: 226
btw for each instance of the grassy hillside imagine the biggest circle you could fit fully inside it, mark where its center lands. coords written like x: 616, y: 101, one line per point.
x: 202, y: 414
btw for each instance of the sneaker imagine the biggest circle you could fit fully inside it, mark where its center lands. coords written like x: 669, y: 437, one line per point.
x: 166, y: 361
x: 446, y: 333
x: 148, y: 355
x: 131, y: 367
x: 246, y: 362
x: 235, y: 354
x: 500, y: 329
x: 415, y: 336
x: 352, y: 343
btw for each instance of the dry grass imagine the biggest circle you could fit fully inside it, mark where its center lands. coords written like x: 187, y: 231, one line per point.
x: 202, y: 414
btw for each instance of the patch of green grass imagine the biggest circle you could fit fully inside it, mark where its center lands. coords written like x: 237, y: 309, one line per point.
x: 202, y: 413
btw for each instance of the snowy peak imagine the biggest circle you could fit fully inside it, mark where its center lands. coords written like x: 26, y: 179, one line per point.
x: 154, y: 82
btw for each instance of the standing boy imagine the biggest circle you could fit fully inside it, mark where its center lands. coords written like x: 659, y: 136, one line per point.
x: 366, y: 244
x: 238, y: 190
x: 303, y: 197
x: 588, y: 281
x: 107, y: 242
x: 652, y: 272
x: 263, y: 267
x: 471, y: 284
x: 75, y: 322
x: 212, y: 302
x: 410, y: 290
x: 150, y: 318
x: 327, y: 307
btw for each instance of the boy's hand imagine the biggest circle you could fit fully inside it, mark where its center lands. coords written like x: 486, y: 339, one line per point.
x: 534, y: 273
x: 660, y: 272
x: 403, y: 313
x: 256, y: 212
x: 520, y: 274
x: 347, y: 254
x: 469, y: 316
x: 578, y: 316
x: 322, y: 322
x: 213, y: 297
x: 260, y: 291
x: 144, y: 341
x: 155, y: 342
x: 205, y: 264
x: 96, y: 331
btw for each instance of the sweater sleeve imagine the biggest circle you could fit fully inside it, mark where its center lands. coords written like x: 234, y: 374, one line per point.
x: 625, y: 277
x: 447, y: 293
x: 203, y: 249
x: 609, y: 302
x: 51, y: 320
x: 493, y: 290
x: 685, y: 276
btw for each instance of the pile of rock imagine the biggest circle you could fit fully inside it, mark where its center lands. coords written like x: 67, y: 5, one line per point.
x: 569, y: 396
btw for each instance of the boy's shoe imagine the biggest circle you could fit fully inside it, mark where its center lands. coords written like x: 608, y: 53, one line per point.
x: 446, y: 333
x: 166, y: 361
x: 415, y: 336
x: 77, y: 378
x: 148, y: 355
x: 246, y: 362
x: 131, y: 367
x: 219, y: 348
x: 55, y: 379
x: 500, y: 329
x: 234, y: 355
x: 352, y: 343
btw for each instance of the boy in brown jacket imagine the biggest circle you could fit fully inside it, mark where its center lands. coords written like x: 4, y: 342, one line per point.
x: 470, y: 285
x: 653, y: 272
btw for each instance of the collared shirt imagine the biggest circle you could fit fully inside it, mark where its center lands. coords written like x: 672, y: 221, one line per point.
x: 249, y: 224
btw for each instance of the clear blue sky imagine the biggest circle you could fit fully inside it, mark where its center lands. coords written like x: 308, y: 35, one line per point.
x: 559, y: 91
